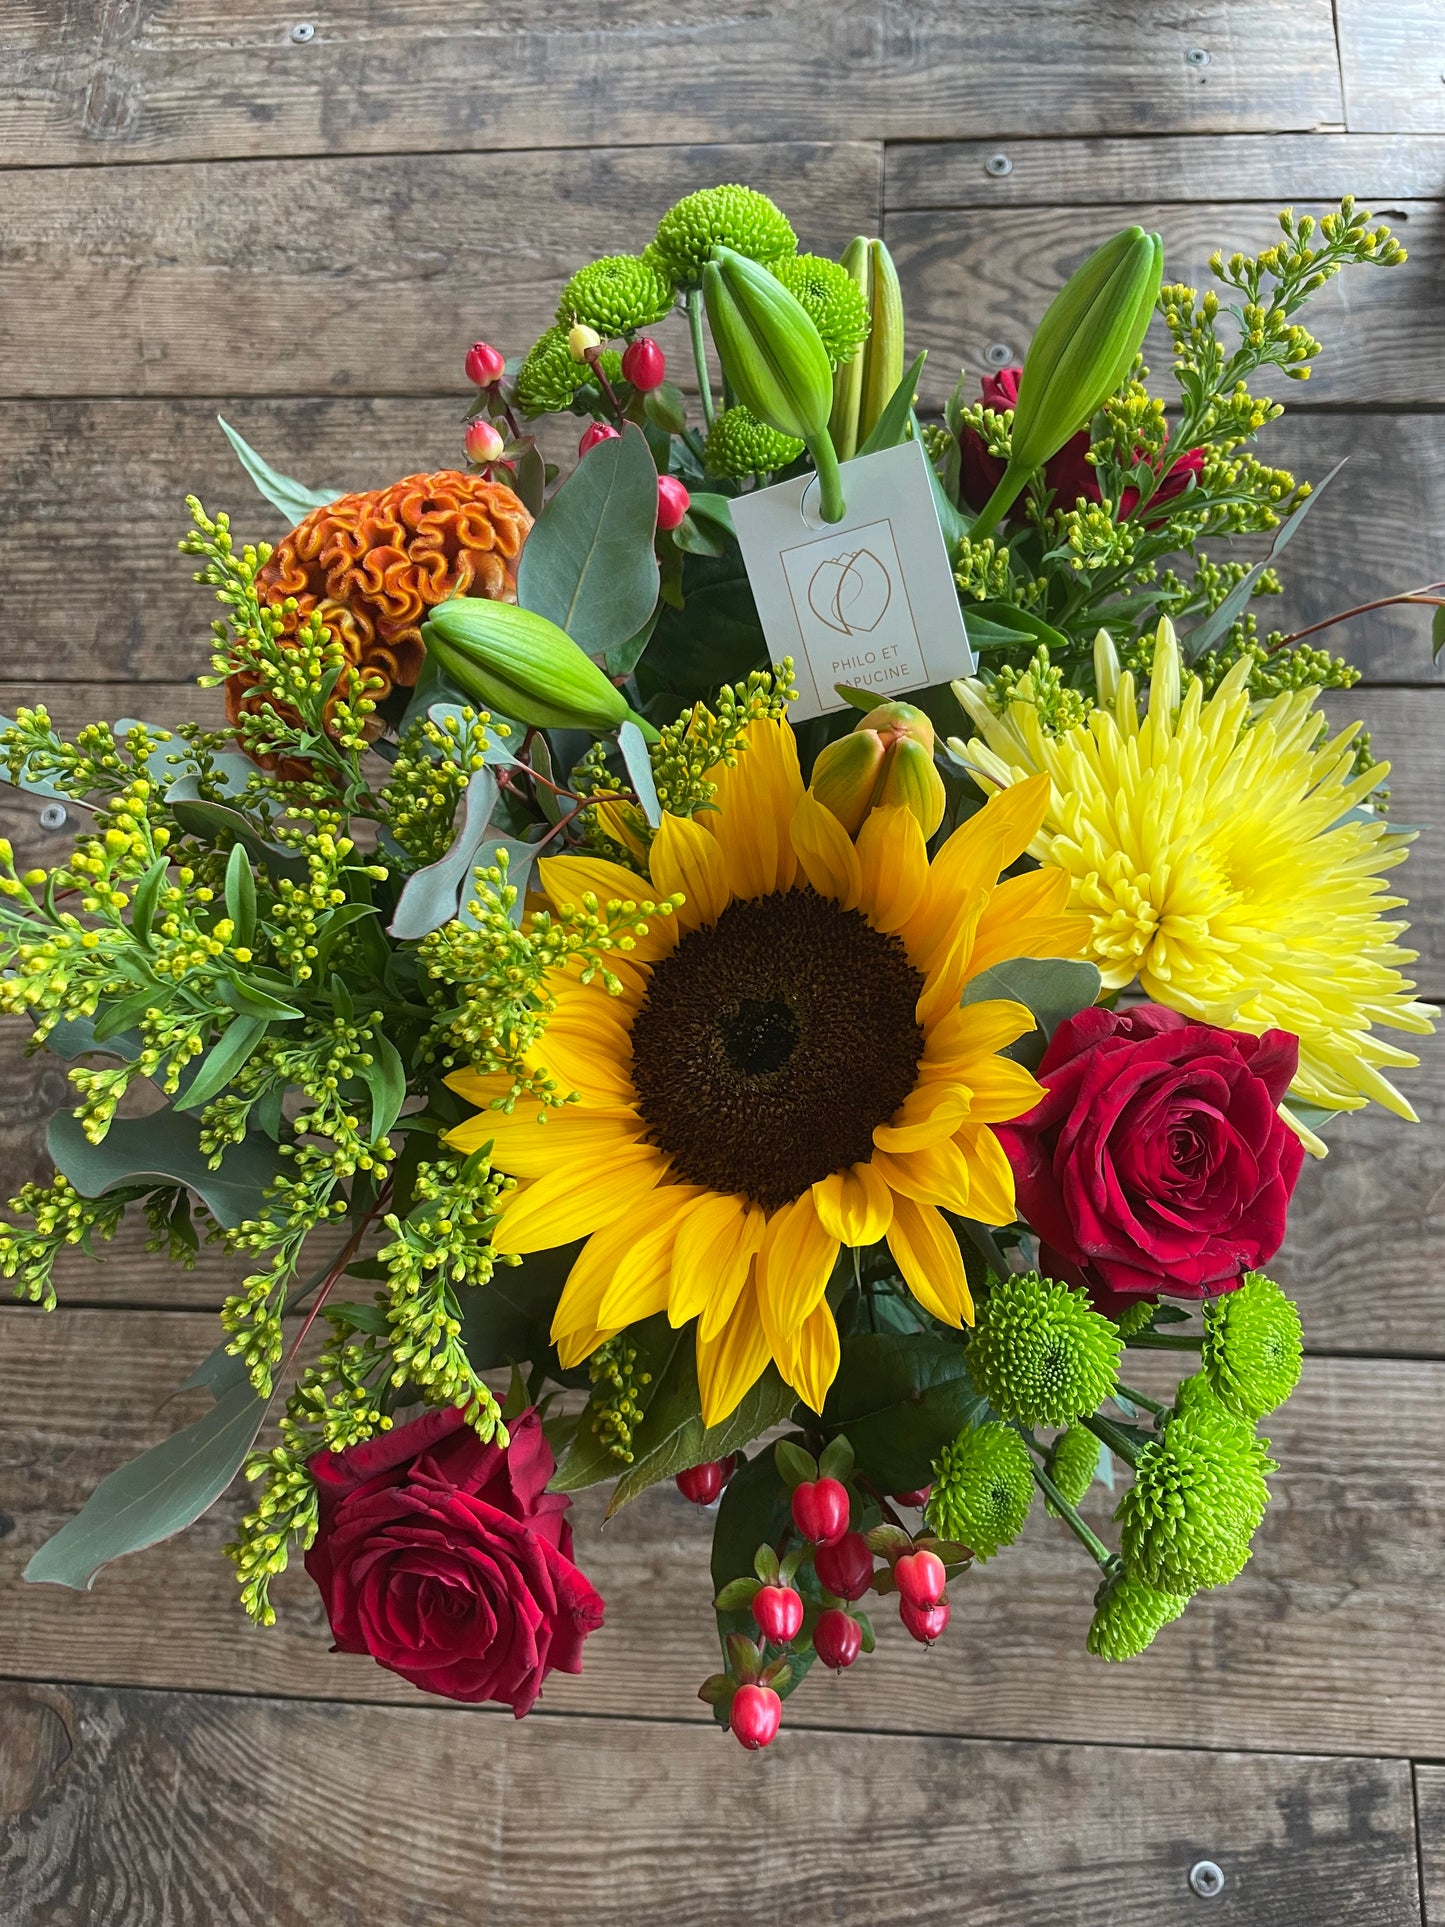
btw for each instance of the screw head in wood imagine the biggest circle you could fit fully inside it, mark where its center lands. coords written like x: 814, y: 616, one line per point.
x: 302, y: 32
x: 998, y: 354
x: 53, y: 817
x: 1198, y: 56
x: 1206, y: 1879
x: 998, y: 165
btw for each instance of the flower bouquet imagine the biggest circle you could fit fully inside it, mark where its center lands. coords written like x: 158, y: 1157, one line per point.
x: 614, y: 1069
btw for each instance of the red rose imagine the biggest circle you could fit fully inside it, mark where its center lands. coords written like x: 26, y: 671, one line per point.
x: 1158, y: 1162
x: 449, y: 1562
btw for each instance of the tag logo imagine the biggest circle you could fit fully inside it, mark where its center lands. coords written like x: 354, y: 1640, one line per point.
x: 852, y: 608
x: 851, y: 593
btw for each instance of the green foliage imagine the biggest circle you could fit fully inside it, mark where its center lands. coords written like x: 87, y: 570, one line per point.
x: 901, y: 1397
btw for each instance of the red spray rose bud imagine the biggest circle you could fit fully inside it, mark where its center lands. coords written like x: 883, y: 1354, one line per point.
x: 644, y: 364
x: 779, y: 1613
x: 920, y: 1578
x: 915, y: 1501
x: 756, y: 1714
x: 925, y: 1623
x: 484, y: 441
x: 672, y: 501
x: 846, y: 1569
x: 598, y: 432
x: 484, y: 365
x: 820, y: 1510
x: 837, y: 1639
x: 703, y: 1483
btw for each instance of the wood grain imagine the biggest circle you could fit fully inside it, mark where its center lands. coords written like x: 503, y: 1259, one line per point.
x: 1329, y: 1638
x: 1390, y: 62
x: 72, y: 520
x: 1307, y: 168
x: 1430, y: 1822
x: 348, y: 276
x: 229, y: 1812
x: 980, y: 277
x: 219, y: 78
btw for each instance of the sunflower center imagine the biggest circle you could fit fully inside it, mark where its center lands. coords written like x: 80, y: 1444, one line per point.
x: 771, y: 1043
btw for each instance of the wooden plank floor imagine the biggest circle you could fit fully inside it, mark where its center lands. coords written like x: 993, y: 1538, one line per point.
x: 200, y: 213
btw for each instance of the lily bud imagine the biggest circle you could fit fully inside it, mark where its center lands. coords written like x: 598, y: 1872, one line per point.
x: 484, y: 441
x: 484, y: 364
x: 888, y: 759
x: 774, y: 359
x: 580, y: 339
x: 517, y: 662
x: 1080, y: 353
x: 863, y: 387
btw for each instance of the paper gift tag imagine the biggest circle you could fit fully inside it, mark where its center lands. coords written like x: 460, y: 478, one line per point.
x: 869, y: 601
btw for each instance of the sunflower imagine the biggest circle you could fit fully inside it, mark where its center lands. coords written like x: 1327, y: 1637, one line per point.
x: 1225, y: 859
x: 787, y: 1069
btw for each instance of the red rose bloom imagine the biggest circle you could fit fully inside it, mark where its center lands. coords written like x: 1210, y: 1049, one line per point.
x: 448, y: 1561
x: 1158, y: 1162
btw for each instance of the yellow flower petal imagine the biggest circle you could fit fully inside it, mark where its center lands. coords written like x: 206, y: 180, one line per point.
x: 642, y: 1282
x: 978, y: 1030
x: 793, y: 1266
x: 825, y: 852
x: 576, y: 1330
x: 729, y: 1365
x: 576, y: 1200
x: 926, y: 1253
x: 969, y: 862
x: 894, y: 860
x: 938, y: 1174
x: 568, y: 879
x: 712, y: 1246
x: 756, y: 798
x: 991, y: 1178
x: 1000, y: 1089
x: 685, y: 858
x: 930, y: 1111
x: 854, y: 1206
x: 810, y: 1363
x: 528, y: 1143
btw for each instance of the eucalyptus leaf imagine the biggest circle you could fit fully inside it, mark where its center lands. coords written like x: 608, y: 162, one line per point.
x: 1437, y: 632
x: 588, y: 564
x: 520, y: 858
x: 210, y: 820
x: 75, y: 1037
x: 293, y: 499
x: 633, y: 745
x: 154, y: 1496
x: 386, y: 1081
x: 165, y: 1149
x: 1053, y: 988
x: 900, y: 1398
x: 510, y: 1317
x: 1216, y: 626
x: 431, y: 896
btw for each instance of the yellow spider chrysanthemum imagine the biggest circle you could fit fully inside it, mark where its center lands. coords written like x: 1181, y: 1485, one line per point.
x: 787, y: 1069
x: 1222, y: 858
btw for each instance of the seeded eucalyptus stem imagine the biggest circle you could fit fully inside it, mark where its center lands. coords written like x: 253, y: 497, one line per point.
x: 693, y: 304
x: 1105, y: 1560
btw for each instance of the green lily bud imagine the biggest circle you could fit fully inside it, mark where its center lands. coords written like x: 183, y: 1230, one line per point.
x: 863, y: 387
x: 888, y: 759
x: 514, y: 661
x: 774, y: 359
x: 1080, y: 353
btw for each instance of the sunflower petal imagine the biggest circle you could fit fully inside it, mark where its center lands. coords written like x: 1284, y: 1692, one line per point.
x: 938, y: 1174
x: 991, y: 1178
x: 811, y: 1361
x: 894, y: 859
x: 927, y: 1254
x: 854, y: 1206
x: 793, y: 1266
x: 730, y: 1364
x: 530, y: 1143
x: 642, y: 1282
x: 686, y: 859
x: 929, y: 1112
x: 826, y: 853
x: 572, y: 1202
x: 568, y: 879
x: 1000, y: 1089
x: 756, y: 798
x: 716, y: 1243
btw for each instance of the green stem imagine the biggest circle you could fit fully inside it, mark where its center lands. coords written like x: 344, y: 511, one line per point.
x: 1141, y: 1398
x: 1166, y: 1341
x: 1116, y: 1439
x: 1106, y: 1561
x: 693, y: 303
x: 999, y: 503
x: 830, y: 482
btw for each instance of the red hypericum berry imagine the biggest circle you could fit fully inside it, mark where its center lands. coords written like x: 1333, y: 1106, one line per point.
x: 484, y: 365
x: 779, y: 1613
x: 598, y: 432
x: 820, y: 1510
x: 672, y: 501
x: 926, y: 1623
x: 837, y: 1639
x: 644, y: 364
x: 755, y: 1716
x: 920, y: 1578
x: 915, y: 1501
x: 846, y: 1569
x: 703, y: 1483
x: 484, y: 440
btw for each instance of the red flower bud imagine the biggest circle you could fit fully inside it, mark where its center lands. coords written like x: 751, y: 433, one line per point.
x: 779, y: 1613
x: 846, y: 1569
x: 644, y: 364
x: 703, y: 1483
x: 672, y: 501
x: 755, y: 1716
x: 925, y: 1623
x: 837, y: 1639
x: 484, y: 440
x: 916, y: 1500
x: 598, y: 432
x: 484, y: 365
x: 920, y: 1578
x: 820, y: 1510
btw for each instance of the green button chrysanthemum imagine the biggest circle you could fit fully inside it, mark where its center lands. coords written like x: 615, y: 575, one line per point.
x: 983, y: 1485
x: 616, y: 295
x: 739, y: 445
x: 831, y: 298
x: 734, y: 217
x: 1253, y: 1347
x: 549, y: 377
x: 1071, y: 1462
x: 1127, y: 1615
x: 1136, y: 1317
x: 1040, y: 1354
x: 1198, y: 1495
